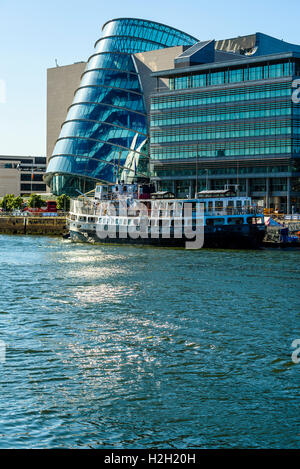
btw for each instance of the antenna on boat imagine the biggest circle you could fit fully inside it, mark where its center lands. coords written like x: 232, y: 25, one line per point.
x: 81, y: 193
x: 117, y: 176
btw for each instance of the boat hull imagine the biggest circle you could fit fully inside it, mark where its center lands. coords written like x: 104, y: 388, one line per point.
x: 225, y: 237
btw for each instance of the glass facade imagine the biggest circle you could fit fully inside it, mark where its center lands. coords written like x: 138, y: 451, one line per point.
x: 250, y: 120
x: 236, y: 125
x: 246, y: 73
x: 105, y: 134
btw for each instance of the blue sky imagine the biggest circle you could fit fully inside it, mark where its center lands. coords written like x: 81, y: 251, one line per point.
x: 33, y: 33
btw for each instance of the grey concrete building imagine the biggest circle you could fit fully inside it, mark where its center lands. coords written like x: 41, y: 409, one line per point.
x: 62, y: 83
x: 9, y: 178
x: 22, y: 175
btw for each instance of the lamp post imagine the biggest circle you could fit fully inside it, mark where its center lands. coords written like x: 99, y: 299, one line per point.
x: 31, y: 176
x: 196, y: 182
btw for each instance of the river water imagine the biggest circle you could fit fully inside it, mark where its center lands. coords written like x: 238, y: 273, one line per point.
x: 131, y: 347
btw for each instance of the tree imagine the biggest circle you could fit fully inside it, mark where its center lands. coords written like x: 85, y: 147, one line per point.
x: 18, y: 202
x: 35, y: 201
x: 63, y: 202
x: 10, y: 202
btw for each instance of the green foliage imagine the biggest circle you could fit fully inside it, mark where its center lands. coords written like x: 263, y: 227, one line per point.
x: 10, y: 202
x: 63, y: 202
x: 18, y: 202
x: 36, y: 201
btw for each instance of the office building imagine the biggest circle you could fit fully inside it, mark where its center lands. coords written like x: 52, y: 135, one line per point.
x: 105, y: 134
x: 22, y: 175
x: 228, y: 118
x: 203, y: 114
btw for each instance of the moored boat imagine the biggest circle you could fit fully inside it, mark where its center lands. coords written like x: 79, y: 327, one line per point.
x: 132, y: 214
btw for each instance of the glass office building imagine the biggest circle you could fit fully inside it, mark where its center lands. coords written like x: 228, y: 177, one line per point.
x: 105, y: 135
x: 229, y: 118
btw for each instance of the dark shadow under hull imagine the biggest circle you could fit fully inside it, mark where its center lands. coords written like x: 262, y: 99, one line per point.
x: 226, y: 237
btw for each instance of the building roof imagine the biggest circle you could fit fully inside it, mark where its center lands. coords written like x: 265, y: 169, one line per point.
x: 149, y: 22
x: 216, y: 193
x: 254, y: 48
x: 240, y: 61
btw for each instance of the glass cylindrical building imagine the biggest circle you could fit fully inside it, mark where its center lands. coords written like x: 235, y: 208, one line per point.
x: 104, y: 137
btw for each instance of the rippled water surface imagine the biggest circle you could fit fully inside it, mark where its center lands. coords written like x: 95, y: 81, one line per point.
x: 126, y: 347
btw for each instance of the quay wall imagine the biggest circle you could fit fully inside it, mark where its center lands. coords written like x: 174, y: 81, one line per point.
x: 33, y: 225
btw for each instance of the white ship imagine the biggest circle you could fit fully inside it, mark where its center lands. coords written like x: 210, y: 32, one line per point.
x: 135, y: 214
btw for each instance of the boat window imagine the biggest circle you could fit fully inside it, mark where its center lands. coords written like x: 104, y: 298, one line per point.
x: 238, y: 203
x: 215, y: 221
x: 210, y: 205
x: 235, y: 221
x: 219, y: 204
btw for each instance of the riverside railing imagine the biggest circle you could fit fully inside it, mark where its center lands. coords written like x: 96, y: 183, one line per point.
x: 33, y: 214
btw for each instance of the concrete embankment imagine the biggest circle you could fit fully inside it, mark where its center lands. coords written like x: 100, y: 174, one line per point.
x: 33, y: 225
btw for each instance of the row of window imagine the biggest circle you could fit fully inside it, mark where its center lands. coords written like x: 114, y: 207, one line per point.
x: 94, y: 149
x: 31, y: 177
x: 69, y: 184
x: 99, y: 131
x: 103, y: 132
x: 94, y: 168
x: 179, y: 172
x: 109, y: 114
x: 34, y: 187
x: 215, y: 132
x: 222, y: 96
x: 246, y: 73
x: 182, y: 188
x: 188, y: 117
x: 233, y: 148
x: 112, y: 96
x: 109, y: 137
x: 296, y: 128
x: 131, y: 45
x: 111, y: 78
x: 111, y: 60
